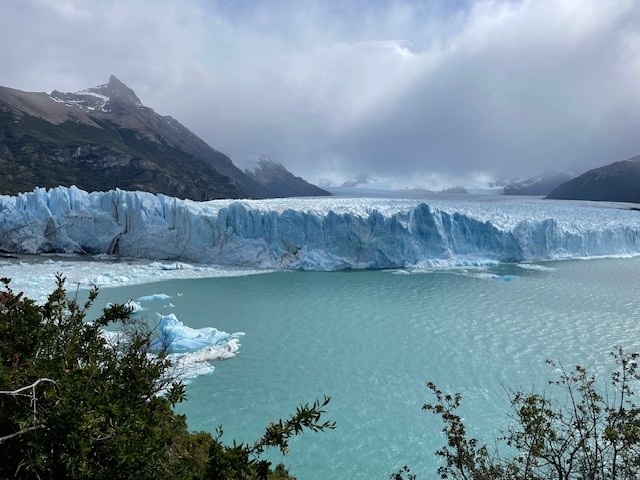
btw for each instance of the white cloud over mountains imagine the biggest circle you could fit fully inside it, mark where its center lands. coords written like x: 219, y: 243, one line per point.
x: 396, y: 89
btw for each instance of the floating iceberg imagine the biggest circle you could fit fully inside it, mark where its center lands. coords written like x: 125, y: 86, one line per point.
x: 319, y: 233
x: 192, y: 350
x: 156, y: 297
x: 134, y: 307
x: 175, y: 336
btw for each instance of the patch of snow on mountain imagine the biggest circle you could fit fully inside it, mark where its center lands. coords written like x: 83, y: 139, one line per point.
x: 101, y: 106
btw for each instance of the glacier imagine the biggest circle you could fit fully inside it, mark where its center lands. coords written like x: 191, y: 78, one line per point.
x: 326, y: 233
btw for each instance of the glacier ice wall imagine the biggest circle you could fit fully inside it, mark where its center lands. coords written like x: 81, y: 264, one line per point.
x: 316, y: 233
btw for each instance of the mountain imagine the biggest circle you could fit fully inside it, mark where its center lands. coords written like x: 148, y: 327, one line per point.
x: 359, y: 180
x: 281, y: 181
x: 617, y: 182
x: 458, y: 189
x: 539, y: 185
x: 103, y: 138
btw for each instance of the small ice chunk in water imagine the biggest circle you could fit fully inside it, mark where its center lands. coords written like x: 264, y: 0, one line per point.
x: 189, y: 365
x: 156, y: 297
x: 134, y: 307
x: 172, y: 266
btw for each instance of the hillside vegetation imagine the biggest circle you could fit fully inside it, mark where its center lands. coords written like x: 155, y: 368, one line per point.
x: 76, y: 403
x: 34, y: 152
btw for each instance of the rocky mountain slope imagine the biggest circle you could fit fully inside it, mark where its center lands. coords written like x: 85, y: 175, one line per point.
x: 538, y: 185
x: 617, y: 182
x: 103, y: 138
x: 278, y: 179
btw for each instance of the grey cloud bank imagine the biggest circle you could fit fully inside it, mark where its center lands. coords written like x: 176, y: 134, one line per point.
x: 427, y: 92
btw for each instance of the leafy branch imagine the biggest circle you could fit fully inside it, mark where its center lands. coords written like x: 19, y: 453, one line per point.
x: 579, y: 435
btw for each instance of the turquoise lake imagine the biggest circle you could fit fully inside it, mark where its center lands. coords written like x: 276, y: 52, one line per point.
x: 372, y: 339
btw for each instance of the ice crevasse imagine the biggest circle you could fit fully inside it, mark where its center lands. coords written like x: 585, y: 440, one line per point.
x: 317, y: 233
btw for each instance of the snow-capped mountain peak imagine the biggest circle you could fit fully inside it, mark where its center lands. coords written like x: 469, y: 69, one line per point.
x: 100, y: 98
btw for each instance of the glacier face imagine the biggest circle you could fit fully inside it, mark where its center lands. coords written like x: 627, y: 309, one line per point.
x: 313, y: 233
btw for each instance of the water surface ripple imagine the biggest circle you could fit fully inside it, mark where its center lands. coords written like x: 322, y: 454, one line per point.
x: 371, y: 339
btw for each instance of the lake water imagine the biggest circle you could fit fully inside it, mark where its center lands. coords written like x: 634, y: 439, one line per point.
x: 371, y: 339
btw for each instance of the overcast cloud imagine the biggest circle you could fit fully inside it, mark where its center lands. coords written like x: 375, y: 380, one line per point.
x: 426, y: 92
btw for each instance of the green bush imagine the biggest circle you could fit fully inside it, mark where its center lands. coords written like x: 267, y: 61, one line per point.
x: 74, y: 404
x: 584, y: 431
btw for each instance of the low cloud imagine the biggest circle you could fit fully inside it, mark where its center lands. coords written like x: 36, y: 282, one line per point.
x: 400, y: 89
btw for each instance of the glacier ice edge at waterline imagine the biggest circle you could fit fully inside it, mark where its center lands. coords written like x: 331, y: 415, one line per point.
x: 313, y: 233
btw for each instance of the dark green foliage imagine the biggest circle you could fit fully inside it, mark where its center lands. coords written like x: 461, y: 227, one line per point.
x: 403, y: 474
x: 34, y: 152
x: 581, y: 434
x: 76, y: 405
x: 100, y: 415
x: 243, y: 461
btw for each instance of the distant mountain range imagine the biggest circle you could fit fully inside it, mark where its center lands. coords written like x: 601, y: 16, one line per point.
x: 362, y: 184
x: 617, y: 182
x: 538, y: 185
x: 359, y: 180
x: 103, y: 138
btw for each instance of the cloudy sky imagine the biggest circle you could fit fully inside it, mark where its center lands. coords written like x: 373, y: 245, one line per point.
x: 428, y: 92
